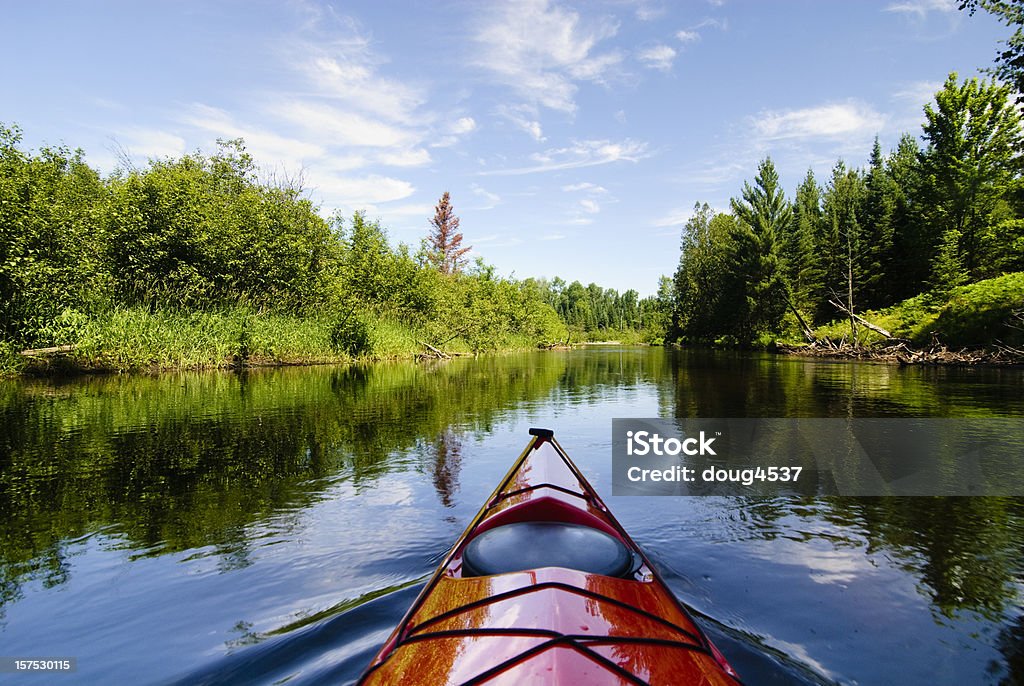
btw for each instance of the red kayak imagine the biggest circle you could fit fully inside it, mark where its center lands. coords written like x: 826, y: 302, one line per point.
x: 545, y: 587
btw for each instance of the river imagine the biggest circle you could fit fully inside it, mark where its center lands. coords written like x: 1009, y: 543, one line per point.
x: 274, y: 525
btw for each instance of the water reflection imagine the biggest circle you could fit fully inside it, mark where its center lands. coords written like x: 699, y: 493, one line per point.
x: 219, y: 466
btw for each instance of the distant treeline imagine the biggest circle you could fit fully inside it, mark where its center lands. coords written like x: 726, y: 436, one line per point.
x: 597, y: 313
x: 94, y: 261
x: 919, y: 220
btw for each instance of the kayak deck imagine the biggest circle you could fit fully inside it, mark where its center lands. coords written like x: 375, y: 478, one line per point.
x: 549, y: 624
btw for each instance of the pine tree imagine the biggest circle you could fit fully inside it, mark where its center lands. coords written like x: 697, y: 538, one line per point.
x: 758, y: 289
x: 912, y: 243
x: 444, y: 242
x: 840, y: 243
x: 877, y: 232
x: 803, y: 260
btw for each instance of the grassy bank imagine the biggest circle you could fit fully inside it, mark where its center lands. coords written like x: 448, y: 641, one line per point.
x: 133, y: 339
x: 980, y: 315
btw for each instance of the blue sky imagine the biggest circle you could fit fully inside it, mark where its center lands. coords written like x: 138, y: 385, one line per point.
x: 574, y: 138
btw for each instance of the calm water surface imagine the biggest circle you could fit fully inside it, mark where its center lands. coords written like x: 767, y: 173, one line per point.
x: 275, y: 525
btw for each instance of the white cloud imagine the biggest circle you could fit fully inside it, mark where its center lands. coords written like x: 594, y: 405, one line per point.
x: 922, y: 8
x: 824, y: 121
x: 263, y: 145
x: 679, y: 217
x: 524, y: 118
x: 540, y: 50
x: 585, y: 186
x: 673, y: 218
x: 412, y: 157
x: 349, y: 76
x: 358, y: 191
x: 588, y: 153
x: 463, y: 125
x: 686, y: 36
x: 342, y: 127
x: 919, y: 92
x: 553, y: 237
x: 589, y: 206
x: 490, y: 199
x: 657, y: 57
x: 150, y: 143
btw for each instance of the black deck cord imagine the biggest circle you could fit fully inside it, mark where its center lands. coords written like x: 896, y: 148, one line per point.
x: 527, y: 654
x: 557, y: 585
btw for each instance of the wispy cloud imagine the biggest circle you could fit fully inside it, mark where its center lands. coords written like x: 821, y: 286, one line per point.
x: 918, y: 93
x: 357, y: 192
x: 585, y: 186
x: 922, y: 8
x: 150, y: 143
x: 580, y: 154
x: 339, y: 126
x: 489, y: 199
x: 523, y: 117
x: 658, y: 57
x: 540, y: 51
x: 264, y: 145
x: 824, y: 121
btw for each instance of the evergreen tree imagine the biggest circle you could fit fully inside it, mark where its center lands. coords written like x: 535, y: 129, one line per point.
x: 840, y: 243
x: 803, y: 260
x: 445, y: 249
x: 877, y: 232
x: 911, y: 240
x: 758, y: 288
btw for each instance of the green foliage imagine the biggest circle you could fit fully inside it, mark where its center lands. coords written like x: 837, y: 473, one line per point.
x: 970, y: 165
x: 756, y: 289
x: 1009, y: 62
x: 699, y: 310
x: 51, y: 231
x: 974, y: 315
x: 197, y: 262
x: 983, y: 312
x: 351, y: 335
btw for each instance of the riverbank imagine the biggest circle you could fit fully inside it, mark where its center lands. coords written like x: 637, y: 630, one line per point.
x: 982, y: 323
x: 904, y: 355
x: 137, y: 340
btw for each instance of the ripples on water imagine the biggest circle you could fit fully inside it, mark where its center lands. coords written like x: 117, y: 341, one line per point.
x: 274, y: 526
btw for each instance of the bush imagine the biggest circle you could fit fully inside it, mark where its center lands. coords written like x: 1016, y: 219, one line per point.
x: 351, y: 335
x: 982, y: 313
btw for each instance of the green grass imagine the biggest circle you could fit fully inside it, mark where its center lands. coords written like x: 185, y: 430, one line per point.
x: 973, y: 316
x: 133, y: 339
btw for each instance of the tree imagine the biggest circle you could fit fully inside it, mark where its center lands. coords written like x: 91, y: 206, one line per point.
x: 803, y: 260
x: 445, y: 241
x: 842, y: 240
x: 911, y: 239
x: 759, y: 291
x: 877, y: 231
x: 698, y: 280
x: 970, y: 164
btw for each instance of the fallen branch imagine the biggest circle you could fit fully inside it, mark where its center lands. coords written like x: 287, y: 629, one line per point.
x: 874, y: 327
x: 37, y: 352
x: 436, y: 351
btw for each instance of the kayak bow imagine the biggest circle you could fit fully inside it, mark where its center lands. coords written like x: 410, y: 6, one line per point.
x: 545, y: 586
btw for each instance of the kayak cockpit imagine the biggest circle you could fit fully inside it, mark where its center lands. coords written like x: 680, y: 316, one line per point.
x: 535, y: 544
